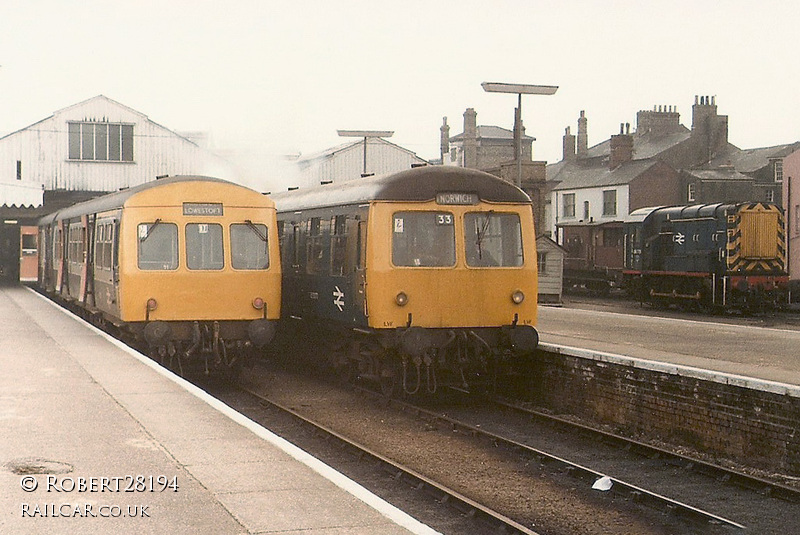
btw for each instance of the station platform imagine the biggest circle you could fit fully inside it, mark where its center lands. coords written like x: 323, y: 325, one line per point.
x: 96, y: 438
x: 755, y: 357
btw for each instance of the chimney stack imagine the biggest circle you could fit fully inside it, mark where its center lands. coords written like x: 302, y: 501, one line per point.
x: 621, y: 147
x: 708, y: 127
x: 583, y: 136
x: 444, y: 142
x: 471, y: 138
x: 568, y: 145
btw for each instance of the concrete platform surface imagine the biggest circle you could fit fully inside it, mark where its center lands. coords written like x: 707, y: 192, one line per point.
x: 765, y: 355
x: 96, y: 438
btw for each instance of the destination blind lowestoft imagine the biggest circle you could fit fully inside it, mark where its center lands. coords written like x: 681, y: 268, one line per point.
x: 207, y: 209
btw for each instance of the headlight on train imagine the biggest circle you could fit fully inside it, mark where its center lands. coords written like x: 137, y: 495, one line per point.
x: 518, y: 297
x: 258, y: 303
x: 401, y: 299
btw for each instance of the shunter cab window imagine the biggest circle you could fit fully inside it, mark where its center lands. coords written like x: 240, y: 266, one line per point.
x: 158, y: 245
x: 493, y: 240
x: 249, y: 246
x: 423, y: 239
x: 204, y: 246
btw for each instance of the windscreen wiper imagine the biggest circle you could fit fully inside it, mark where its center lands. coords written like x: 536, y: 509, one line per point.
x: 150, y: 230
x: 481, y: 232
x: 256, y: 230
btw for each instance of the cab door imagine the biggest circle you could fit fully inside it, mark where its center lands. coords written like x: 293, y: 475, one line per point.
x: 360, y: 312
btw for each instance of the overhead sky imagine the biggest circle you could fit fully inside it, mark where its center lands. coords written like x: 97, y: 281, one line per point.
x: 277, y: 78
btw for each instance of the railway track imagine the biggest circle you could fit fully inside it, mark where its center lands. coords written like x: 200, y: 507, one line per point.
x: 599, y: 480
x: 673, y: 483
x: 717, y: 472
x: 441, y: 494
x: 707, y: 510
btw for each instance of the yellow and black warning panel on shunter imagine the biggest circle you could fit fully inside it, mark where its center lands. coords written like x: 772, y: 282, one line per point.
x: 756, y: 238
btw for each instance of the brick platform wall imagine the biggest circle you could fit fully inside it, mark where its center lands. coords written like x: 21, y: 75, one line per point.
x: 752, y: 427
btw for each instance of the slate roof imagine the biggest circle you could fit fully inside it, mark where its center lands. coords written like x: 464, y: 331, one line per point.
x: 751, y: 160
x: 724, y: 173
x: 575, y: 175
x: 492, y: 132
x: 645, y: 145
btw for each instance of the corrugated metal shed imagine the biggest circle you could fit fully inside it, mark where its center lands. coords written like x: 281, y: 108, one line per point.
x: 42, y: 157
x: 17, y: 195
x: 346, y: 162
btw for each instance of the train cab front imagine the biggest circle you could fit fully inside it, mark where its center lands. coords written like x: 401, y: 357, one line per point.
x: 459, y: 290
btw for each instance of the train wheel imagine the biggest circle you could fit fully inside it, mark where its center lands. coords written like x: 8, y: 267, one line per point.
x: 390, y: 378
x: 344, y: 369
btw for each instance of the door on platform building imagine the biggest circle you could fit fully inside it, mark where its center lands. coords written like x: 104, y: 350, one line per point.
x: 29, y: 254
x: 9, y: 252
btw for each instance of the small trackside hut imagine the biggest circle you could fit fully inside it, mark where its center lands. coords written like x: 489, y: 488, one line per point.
x: 414, y: 280
x: 188, y: 265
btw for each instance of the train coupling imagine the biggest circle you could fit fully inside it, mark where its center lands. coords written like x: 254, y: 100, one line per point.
x: 157, y: 333
x: 261, y: 332
x: 523, y: 338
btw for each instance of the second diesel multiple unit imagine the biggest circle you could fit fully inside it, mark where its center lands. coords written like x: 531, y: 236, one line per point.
x: 189, y: 265
x: 715, y: 255
x: 416, y: 279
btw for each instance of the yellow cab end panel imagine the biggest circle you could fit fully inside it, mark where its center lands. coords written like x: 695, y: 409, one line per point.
x: 451, y: 296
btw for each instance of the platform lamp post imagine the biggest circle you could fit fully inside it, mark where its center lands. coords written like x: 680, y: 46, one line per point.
x: 366, y: 134
x: 519, y: 90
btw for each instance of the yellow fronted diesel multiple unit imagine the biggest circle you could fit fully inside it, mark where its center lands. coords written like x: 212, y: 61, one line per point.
x: 190, y: 265
x: 416, y: 280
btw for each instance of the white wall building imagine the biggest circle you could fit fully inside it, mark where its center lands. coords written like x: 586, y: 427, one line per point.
x: 97, y: 145
x: 351, y: 160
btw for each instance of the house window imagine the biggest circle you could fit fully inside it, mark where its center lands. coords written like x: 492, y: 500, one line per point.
x: 770, y: 195
x: 778, y: 170
x: 19, y: 170
x: 101, y: 142
x: 586, y: 210
x: 569, y: 205
x: 610, y: 202
x: 691, y: 195
x: 541, y: 261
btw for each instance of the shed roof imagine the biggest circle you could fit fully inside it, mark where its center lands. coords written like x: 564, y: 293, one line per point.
x: 332, y: 151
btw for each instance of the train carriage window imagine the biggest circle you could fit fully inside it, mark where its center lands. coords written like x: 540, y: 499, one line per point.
x: 315, y: 247
x: 204, y: 246
x: 158, y: 246
x: 103, y: 246
x: 423, y: 239
x: 493, y: 239
x: 76, y: 248
x: 338, y: 245
x: 58, y: 247
x: 249, y: 246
